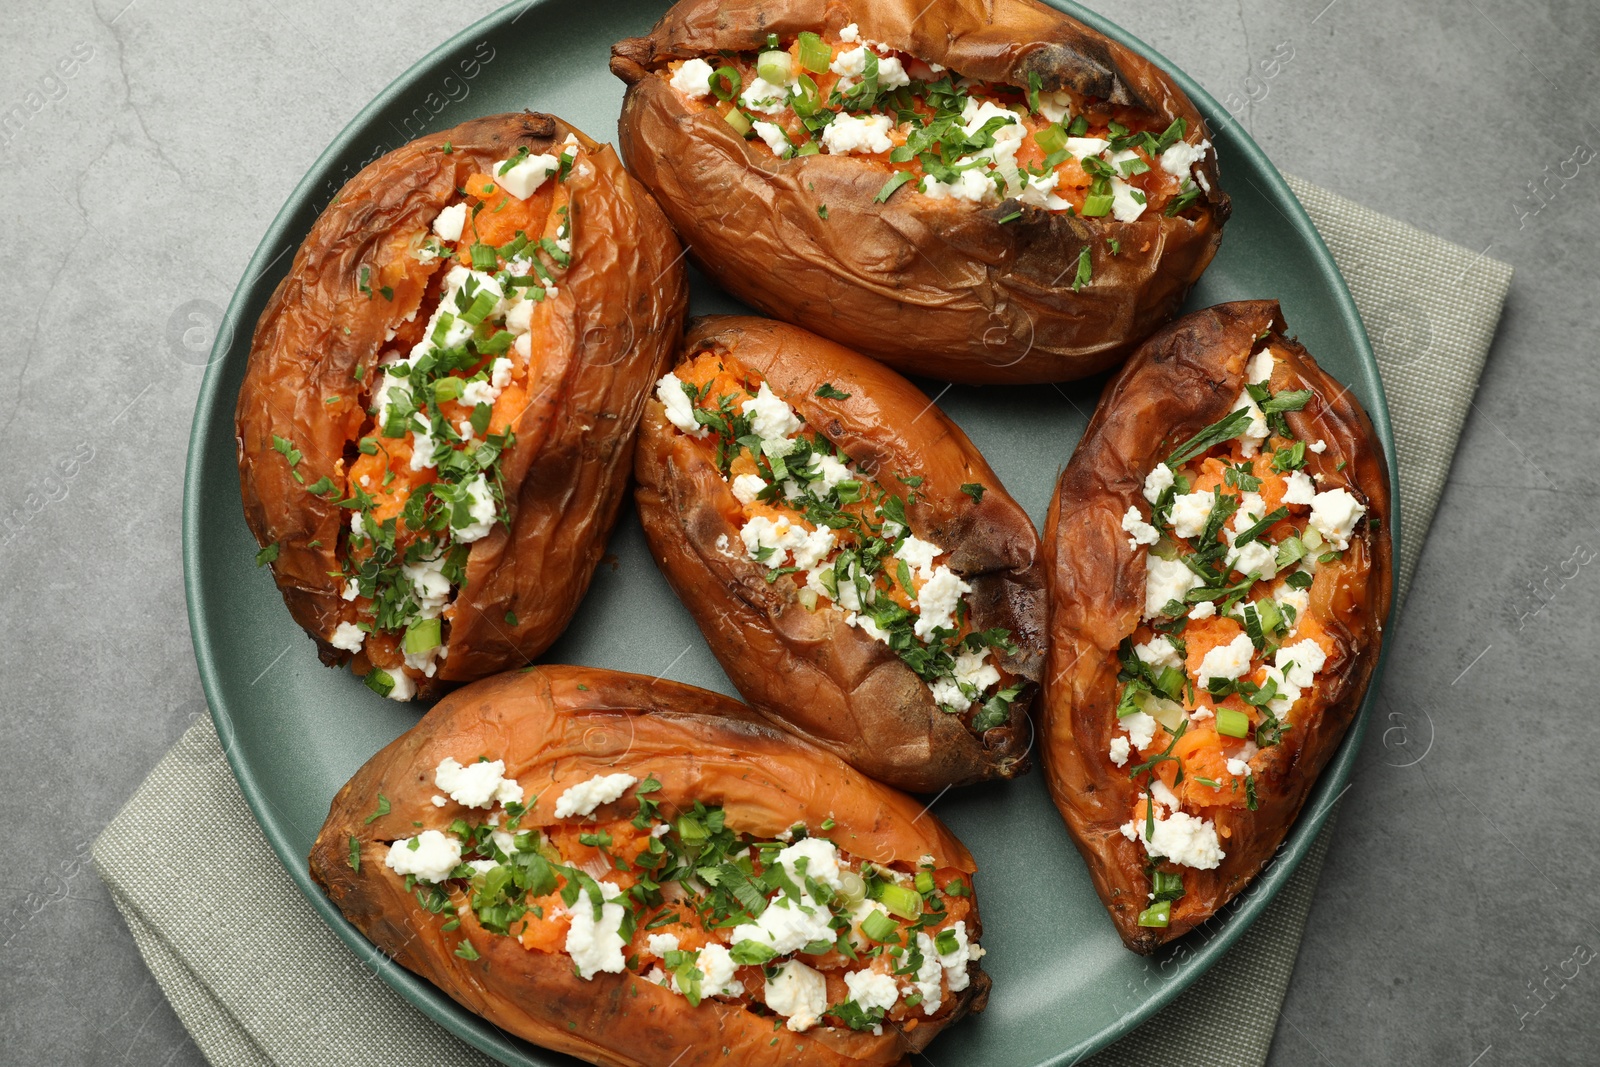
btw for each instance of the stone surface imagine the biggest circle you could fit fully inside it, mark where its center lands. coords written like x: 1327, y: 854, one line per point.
x: 160, y: 141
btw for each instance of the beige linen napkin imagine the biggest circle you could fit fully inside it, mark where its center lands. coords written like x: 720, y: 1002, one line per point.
x: 260, y: 981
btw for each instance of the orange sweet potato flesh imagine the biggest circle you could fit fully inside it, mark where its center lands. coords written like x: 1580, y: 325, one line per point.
x: 807, y: 670
x: 1186, y: 377
x: 602, y: 342
x: 931, y: 287
x: 556, y: 727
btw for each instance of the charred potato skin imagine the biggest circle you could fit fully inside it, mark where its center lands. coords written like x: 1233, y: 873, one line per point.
x: 807, y: 671
x: 924, y: 285
x: 563, y: 724
x: 1183, y: 379
x: 619, y: 313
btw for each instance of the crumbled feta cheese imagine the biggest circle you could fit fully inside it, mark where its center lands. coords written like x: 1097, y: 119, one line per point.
x: 869, y: 626
x: 891, y: 74
x: 817, y: 544
x: 1180, y: 157
x: 404, y: 688
x: 680, y: 411
x: 972, y: 669
x: 770, y: 418
x: 1141, y: 728
x: 1300, y: 662
x: 1127, y: 203
x: 1257, y: 431
x: 972, y: 185
x: 1039, y: 191
x: 432, y: 860
x: 449, y: 222
x: 773, y: 134
x: 1259, y: 370
x: 661, y: 944
x: 788, y: 924
x: 500, y: 372
x: 1084, y: 147
x: 1163, y: 794
x: 798, y: 993
x: 348, y: 636
x: 1239, y: 768
x: 763, y: 96
x: 1165, y: 580
x: 1203, y: 610
x: 771, y: 541
x: 822, y: 861
x: 596, y: 944
x: 872, y: 989
x: 477, y: 785
x: 1181, y: 838
x: 937, y: 601
x: 850, y: 34
x: 422, y: 445
x: 428, y: 584
x: 1254, y: 558
x: 848, y: 133
x: 850, y: 63
x: 1319, y: 446
x: 1159, y: 652
x: 1158, y: 481
x: 524, y: 178
x: 693, y: 79
x: 1119, y: 750
x: 475, y: 393
x: 919, y: 556
x: 1300, y: 489
x: 1227, y: 661
x: 480, y: 510
x: 519, y: 317
x: 747, y: 486
x: 584, y: 797
x: 352, y: 588
x: 1189, y: 512
x: 829, y: 472
x: 1251, y: 510
x: 1334, y: 515
x: 929, y: 974
x: 1056, y: 107
x: 1288, y: 596
x: 717, y: 967
x: 1139, y: 531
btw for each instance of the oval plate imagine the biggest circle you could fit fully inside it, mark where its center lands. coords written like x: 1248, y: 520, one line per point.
x: 295, y: 731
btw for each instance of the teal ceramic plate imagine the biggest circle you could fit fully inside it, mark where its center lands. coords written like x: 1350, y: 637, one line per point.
x: 295, y: 730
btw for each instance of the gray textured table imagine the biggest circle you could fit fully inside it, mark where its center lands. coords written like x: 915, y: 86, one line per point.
x: 146, y: 146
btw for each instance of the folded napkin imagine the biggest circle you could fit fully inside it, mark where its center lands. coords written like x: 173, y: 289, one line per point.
x: 260, y: 981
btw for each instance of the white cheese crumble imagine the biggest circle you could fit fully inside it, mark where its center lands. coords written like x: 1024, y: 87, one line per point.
x: 1165, y: 579
x: 431, y: 861
x: 661, y: 944
x: 1300, y: 489
x: 480, y: 510
x: 973, y: 669
x: 1158, y: 481
x: 447, y: 225
x: 1139, y: 532
x: 477, y: 785
x: 1227, y: 661
x: 348, y: 636
x: 929, y: 974
x: 404, y: 687
x: 1180, y: 157
x: 1119, y: 751
x: 1189, y: 512
x: 693, y: 79
x: 872, y: 989
x: 773, y: 134
x: 584, y: 797
x: 918, y: 555
x: 1203, y: 610
x: 596, y: 945
x: 524, y: 178
x: 848, y: 133
x: 788, y: 924
x: 1141, y: 728
x: 716, y: 968
x: 1239, y: 768
x: 680, y: 411
x: 937, y: 601
x: 822, y: 861
x: 1256, y: 432
x: 763, y: 96
x: 746, y: 487
x: 1181, y: 838
x: 1259, y: 370
x: 1254, y: 558
x: 850, y: 34
x: 1334, y: 515
x: 1319, y: 446
x: 770, y: 418
x: 798, y: 993
x: 1159, y: 651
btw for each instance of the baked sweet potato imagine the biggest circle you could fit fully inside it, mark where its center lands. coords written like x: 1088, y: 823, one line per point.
x: 439, y: 408
x: 640, y: 872
x: 985, y: 192
x: 1219, y: 560
x: 857, y: 568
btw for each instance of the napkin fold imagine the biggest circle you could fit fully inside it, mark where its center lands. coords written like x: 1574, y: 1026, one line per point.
x: 261, y: 981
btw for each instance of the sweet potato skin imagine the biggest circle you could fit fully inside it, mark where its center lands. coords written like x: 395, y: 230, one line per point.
x: 928, y: 286
x: 558, y: 726
x: 618, y: 314
x: 807, y: 670
x: 1181, y: 380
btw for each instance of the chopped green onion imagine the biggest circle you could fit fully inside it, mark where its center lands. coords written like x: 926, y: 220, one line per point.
x: 725, y: 83
x: 1158, y: 914
x: 775, y: 67
x: 880, y: 928
x: 267, y: 555
x: 1299, y: 580
x: 448, y: 388
x: 1096, y: 205
x: 945, y: 942
x: 379, y: 681
x: 741, y: 124
x: 808, y: 100
x: 900, y: 178
x: 1085, y: 270
x: 1166, y: 885
x: 421, y: 636
x: 815, y: 54
x: 852, y: 888
x: 900, y: 901
x: 924, y: 880
x: 1231, y: 723
x: 1052, y: 138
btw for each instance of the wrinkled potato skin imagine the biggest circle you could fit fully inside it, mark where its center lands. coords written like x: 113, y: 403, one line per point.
x: 808, y: 671
x: 553, y: 734
x: 931, y: 287
x: 618, y: 313
x: 1180, y: 381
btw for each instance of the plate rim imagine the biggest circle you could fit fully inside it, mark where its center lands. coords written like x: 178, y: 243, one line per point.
x: 1239, y: 916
